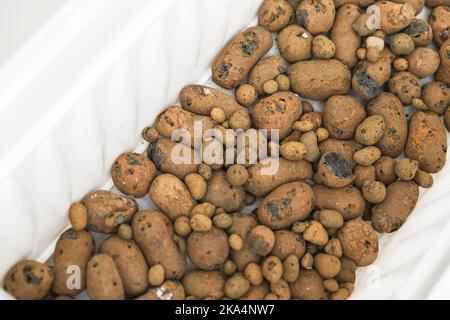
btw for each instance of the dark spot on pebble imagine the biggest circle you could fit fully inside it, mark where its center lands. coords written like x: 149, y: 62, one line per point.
x: 70, y: 234
x: 199, y: 90
x: 30, y: 277
x: 302, y: 16
x: 416, y: 28
x: 337, y: 165
x: 155, y: 154
x: 279, y: 208
x: 132, y: 161
x: 224, y: 69
x: 368, y: 84
x: 248, y: 47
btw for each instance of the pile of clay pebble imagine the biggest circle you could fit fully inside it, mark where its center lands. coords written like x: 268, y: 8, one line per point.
x: 347, y: 172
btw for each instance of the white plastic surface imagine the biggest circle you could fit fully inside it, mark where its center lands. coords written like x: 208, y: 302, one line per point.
x: 82, y: 89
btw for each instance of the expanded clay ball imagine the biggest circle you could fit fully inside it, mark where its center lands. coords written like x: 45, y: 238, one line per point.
x: 237, y: 175
x: 150, y: 134
x: 196, y: 185
x: 222, y: 220
x: 406, y: 169
x: 270, y: 87
x: 246, y: 95
x: 327, y: 265
x: 303, y: 126
x: 373, y: 54
x: 218, y: 115
x: 205, y: 208
x: 423, y: 179
x: 330, y: 218
x: 419, y: 104
x: 385, y: 170
x: 322, y: 134
x: 205, y: 171
x: 236, y: 286
x: 331, y: 285
x: 307, y: 106
x: 316, y: 233
x: 374, y: 41
x: 373, y: 191
x: 323, y: 47
x: 132, y: 174
x: 402, y: 44
x: 261, y: 240
x: 423, y: 62
x: 361, y: 53
x: 235, y: 242
x: 283, y: 82
x: 253, y: 274
x: 156, y: 275
x: 291, y: 268
x: 182, y: 226
x: 362, y: 174
x: 400, y: 64
x: 201, y: 223
x: 272, y: 269
x: 125, y: 231
x: 307, y: 261
x: 367, y: 156
x: 229, y: 268
x: 370, y: 130
x: 293, y: 150
x: 78, y: 216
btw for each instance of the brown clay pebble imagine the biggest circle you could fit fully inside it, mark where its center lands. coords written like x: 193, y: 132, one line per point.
x: 78, y: 216
x: 359, y: 242
x: 253, y: 274
x: 406, y: 169
x: 132, y: 173
x: 272, y: 269
x: 261, y: 240
x: 308, y: 286
x: 316, y: 233
x: 237, y: 175
x: 327, y: 265
x: 29, y: 280
x: 373, y: 191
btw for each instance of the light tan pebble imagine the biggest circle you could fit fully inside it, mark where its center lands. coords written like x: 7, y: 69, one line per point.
x: 222, y: 220
x: 406, y: 169
x: 205, y: 171
x: 182, y: 226
x: 340, y: 294
x: 125, y: 231
x: 423, y: 179
x: 361, y: 53
x: 299, y: 227
x: 235, y: 242
x: 293, y: 150
x: 78, y: 216
x: 322, y: 134
x: 270, y: 87
x: 150, y: 134
x: 229, y: 268
x: 205, y: 208
x: 419, y: 104
x: 331, y: 285
x: 283, y: 82
x: 373, y: 54
x: 303, y: 126
x: 373, y: 191
x: 218, y: 115
x: 246, y: 95
x: 400, y: 64
x: 156, y: 275
x: 376, y: 42
x: 307, y: 261
x: 316, y: 233
x: 201, y: 223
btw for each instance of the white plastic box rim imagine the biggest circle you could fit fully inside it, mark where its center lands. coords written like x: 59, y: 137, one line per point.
x: 80, y: 91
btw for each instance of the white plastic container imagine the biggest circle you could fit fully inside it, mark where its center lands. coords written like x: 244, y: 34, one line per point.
x: 80, y: 91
